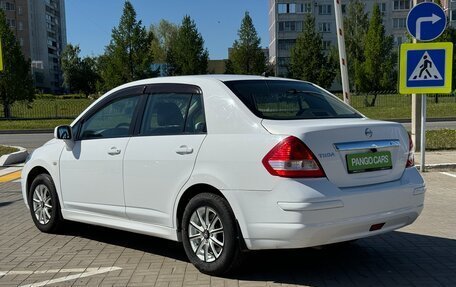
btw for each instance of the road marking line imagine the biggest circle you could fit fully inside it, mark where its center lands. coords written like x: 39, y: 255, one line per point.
x: 11, y: 176
x: 86, y: 272
x: 449, y: 174
x: 9, y: 170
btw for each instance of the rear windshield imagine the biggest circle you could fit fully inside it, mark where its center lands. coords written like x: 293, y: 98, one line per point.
x: 289, y: 100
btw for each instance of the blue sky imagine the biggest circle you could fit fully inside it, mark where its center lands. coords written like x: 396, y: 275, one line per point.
x: 89, y: 22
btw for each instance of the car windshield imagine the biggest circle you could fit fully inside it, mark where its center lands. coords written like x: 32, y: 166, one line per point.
x: 289, y: 100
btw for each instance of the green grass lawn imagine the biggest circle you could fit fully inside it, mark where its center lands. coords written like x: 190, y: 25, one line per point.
x: 33, y: 124
x: 6, y: 150
x: 444, y: 139
x: 400, y: 107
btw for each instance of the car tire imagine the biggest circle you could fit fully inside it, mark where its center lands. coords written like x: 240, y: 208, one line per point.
x: 44, y: 204
x: 212, y: 246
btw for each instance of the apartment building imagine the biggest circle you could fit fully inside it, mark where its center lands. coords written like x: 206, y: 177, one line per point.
x: 286, y: 22
x: 40, y: 29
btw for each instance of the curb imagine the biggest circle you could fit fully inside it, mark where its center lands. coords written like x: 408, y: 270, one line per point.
x: 15, y: 157
x: 438, y: 166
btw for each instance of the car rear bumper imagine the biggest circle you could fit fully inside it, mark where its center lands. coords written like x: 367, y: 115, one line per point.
x: 312, y: 212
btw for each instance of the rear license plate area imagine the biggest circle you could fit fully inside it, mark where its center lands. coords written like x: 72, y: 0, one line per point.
x: 370, y: 161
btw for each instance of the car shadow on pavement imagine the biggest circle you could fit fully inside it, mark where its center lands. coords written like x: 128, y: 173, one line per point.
x: 149, y: 244
x: 6, y: 203
x: 396, y: 258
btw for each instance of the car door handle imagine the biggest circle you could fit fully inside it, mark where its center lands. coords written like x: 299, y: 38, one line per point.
x: 183, y: 149
x: 114, y: 151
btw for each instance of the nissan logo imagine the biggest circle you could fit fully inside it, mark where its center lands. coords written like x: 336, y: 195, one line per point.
x: 368, y: 132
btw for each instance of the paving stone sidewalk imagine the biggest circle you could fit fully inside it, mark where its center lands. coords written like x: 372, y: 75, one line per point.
x: 423, y: 254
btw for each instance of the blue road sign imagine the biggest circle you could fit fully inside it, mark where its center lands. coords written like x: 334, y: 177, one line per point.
x: 426, y: 68
x: 426, y: 21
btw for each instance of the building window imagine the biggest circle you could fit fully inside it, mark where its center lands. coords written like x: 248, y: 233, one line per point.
x: 283, y: 61
x: 344, y: 8
x: 326, y: 45
x: 383, y: 8
x: 20, y: 26
x: 401, y: 5
x: 11, y: 23
x: 399, y: 23
x: 9, y: 6
x: 292, y: 8
x: 304, y: 8
x: 453, y: 15
x: 286, y: 44
x: 21, y: 41
x: 398, y: 40
x: 19, y: 10
x: 284, y: 8
x: 324, y: 27
x: 290, y: 26
x: 324, y: 9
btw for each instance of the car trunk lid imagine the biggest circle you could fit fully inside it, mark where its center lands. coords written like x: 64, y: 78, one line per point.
x: 352, y: 152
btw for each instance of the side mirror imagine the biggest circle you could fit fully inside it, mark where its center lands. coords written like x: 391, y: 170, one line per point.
x: 63, y: 133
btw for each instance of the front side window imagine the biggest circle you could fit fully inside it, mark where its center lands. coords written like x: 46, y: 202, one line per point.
x: 113, y: 120
x: 289, y: 100
x: 173, y: 113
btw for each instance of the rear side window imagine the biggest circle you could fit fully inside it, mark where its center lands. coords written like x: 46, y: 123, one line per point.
x: 289, y: 100
x: 173, y: 113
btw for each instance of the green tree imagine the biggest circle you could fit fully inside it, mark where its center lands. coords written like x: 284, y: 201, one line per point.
x: 79, y: 75
x: 162, y: 33
x: 378, y: 71
x: 70, y: 62
x: 186, y: 54
x: 246, y: 56
x: 128, y: 56
x: 308, y: 62
x: 355, y: 24
x: 16, y: 82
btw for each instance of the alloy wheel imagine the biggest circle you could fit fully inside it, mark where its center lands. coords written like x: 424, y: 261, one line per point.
x: 206, y: 235
x: 42, y: 204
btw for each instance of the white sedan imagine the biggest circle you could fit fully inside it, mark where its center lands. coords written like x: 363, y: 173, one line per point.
x: 226, y: 164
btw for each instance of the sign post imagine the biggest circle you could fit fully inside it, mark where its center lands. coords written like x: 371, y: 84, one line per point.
x: 425, y: 68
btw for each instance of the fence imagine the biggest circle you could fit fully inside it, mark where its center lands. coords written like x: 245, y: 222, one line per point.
x: 385, y: 106
x: 47, y: 109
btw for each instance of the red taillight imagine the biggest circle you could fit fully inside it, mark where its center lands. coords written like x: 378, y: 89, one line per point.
x: 292, y: 158
x: 411, y: 154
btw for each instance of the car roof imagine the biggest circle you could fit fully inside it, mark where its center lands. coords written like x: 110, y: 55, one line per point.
x: 212, y: 77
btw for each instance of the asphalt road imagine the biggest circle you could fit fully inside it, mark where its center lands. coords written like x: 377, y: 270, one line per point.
x: 32, y: 141
x: 29, y: 141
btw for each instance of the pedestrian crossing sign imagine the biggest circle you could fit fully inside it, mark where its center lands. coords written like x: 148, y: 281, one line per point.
x: 426, y: 68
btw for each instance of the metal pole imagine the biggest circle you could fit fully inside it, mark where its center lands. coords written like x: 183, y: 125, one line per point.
x: 423, y: 133
x: 416, y: 110
x: 342, y: 52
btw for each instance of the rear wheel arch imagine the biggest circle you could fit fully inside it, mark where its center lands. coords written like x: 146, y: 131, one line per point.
x: 191, y: 192
x: 188, y: 194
